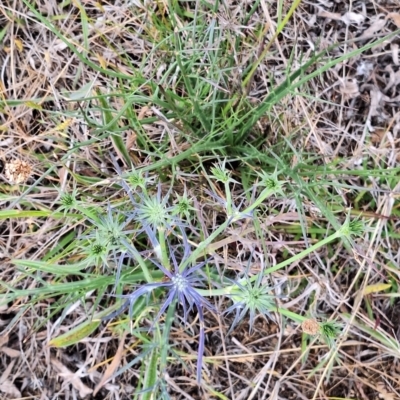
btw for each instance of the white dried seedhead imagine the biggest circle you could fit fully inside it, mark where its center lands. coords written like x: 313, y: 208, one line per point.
x: 17, y: 171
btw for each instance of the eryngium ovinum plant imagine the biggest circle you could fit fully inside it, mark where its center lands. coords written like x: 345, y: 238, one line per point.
x: 178, y: 276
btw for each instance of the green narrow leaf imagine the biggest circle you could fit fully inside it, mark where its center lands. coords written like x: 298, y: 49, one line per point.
x: 169, y: 319
x: 380, y: 337
x: 84, y: 24
x: 289, y: 85
x: 63, y: 244
x: 75, y: 335
x: 51, y: 268
x: 115, y: 135
x: 3, y: 32
x: 279, y: 29
x: 45, y: 21
x: 31, y: 214
x: 150, y: 377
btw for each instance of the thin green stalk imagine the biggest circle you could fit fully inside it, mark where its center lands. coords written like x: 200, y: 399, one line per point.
x: 293, y: 316
x: 203, y: 245
x: 246, y: 81
x: 231, y: 289
x: 228, y: 199
x: 142, y: 263
x: 169, y: 319
x: 304, y: 253
x: 150, y: 376
x: 163, y: 248
x: 267, y: 192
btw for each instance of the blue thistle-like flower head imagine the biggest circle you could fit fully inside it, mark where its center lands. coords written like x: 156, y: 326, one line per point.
x: 180, y: 285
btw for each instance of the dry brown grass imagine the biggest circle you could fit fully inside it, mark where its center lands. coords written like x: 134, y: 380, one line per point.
x: 348, y: 115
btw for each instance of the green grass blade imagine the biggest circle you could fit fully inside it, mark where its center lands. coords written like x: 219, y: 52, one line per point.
x: 116, y: 136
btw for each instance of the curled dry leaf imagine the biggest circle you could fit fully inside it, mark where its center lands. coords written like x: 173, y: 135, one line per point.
x: 377, y: 24
x: 349, y: 89
x: 69, y: 377
x: 112, y: 367
x: 6, y: 350
x: 394, y: 78
x: 352, y: 18
x: 383, y: 393
x: 9, y: 388
x: 3, y: 340
x: 17, y: 171
x: 395, y: 17
x: 330, y: 15
x: 12, y: 353
x: 348, y: 18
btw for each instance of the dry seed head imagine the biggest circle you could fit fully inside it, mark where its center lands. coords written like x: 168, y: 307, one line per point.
x: 310, y: 326
x: 17, y: 171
